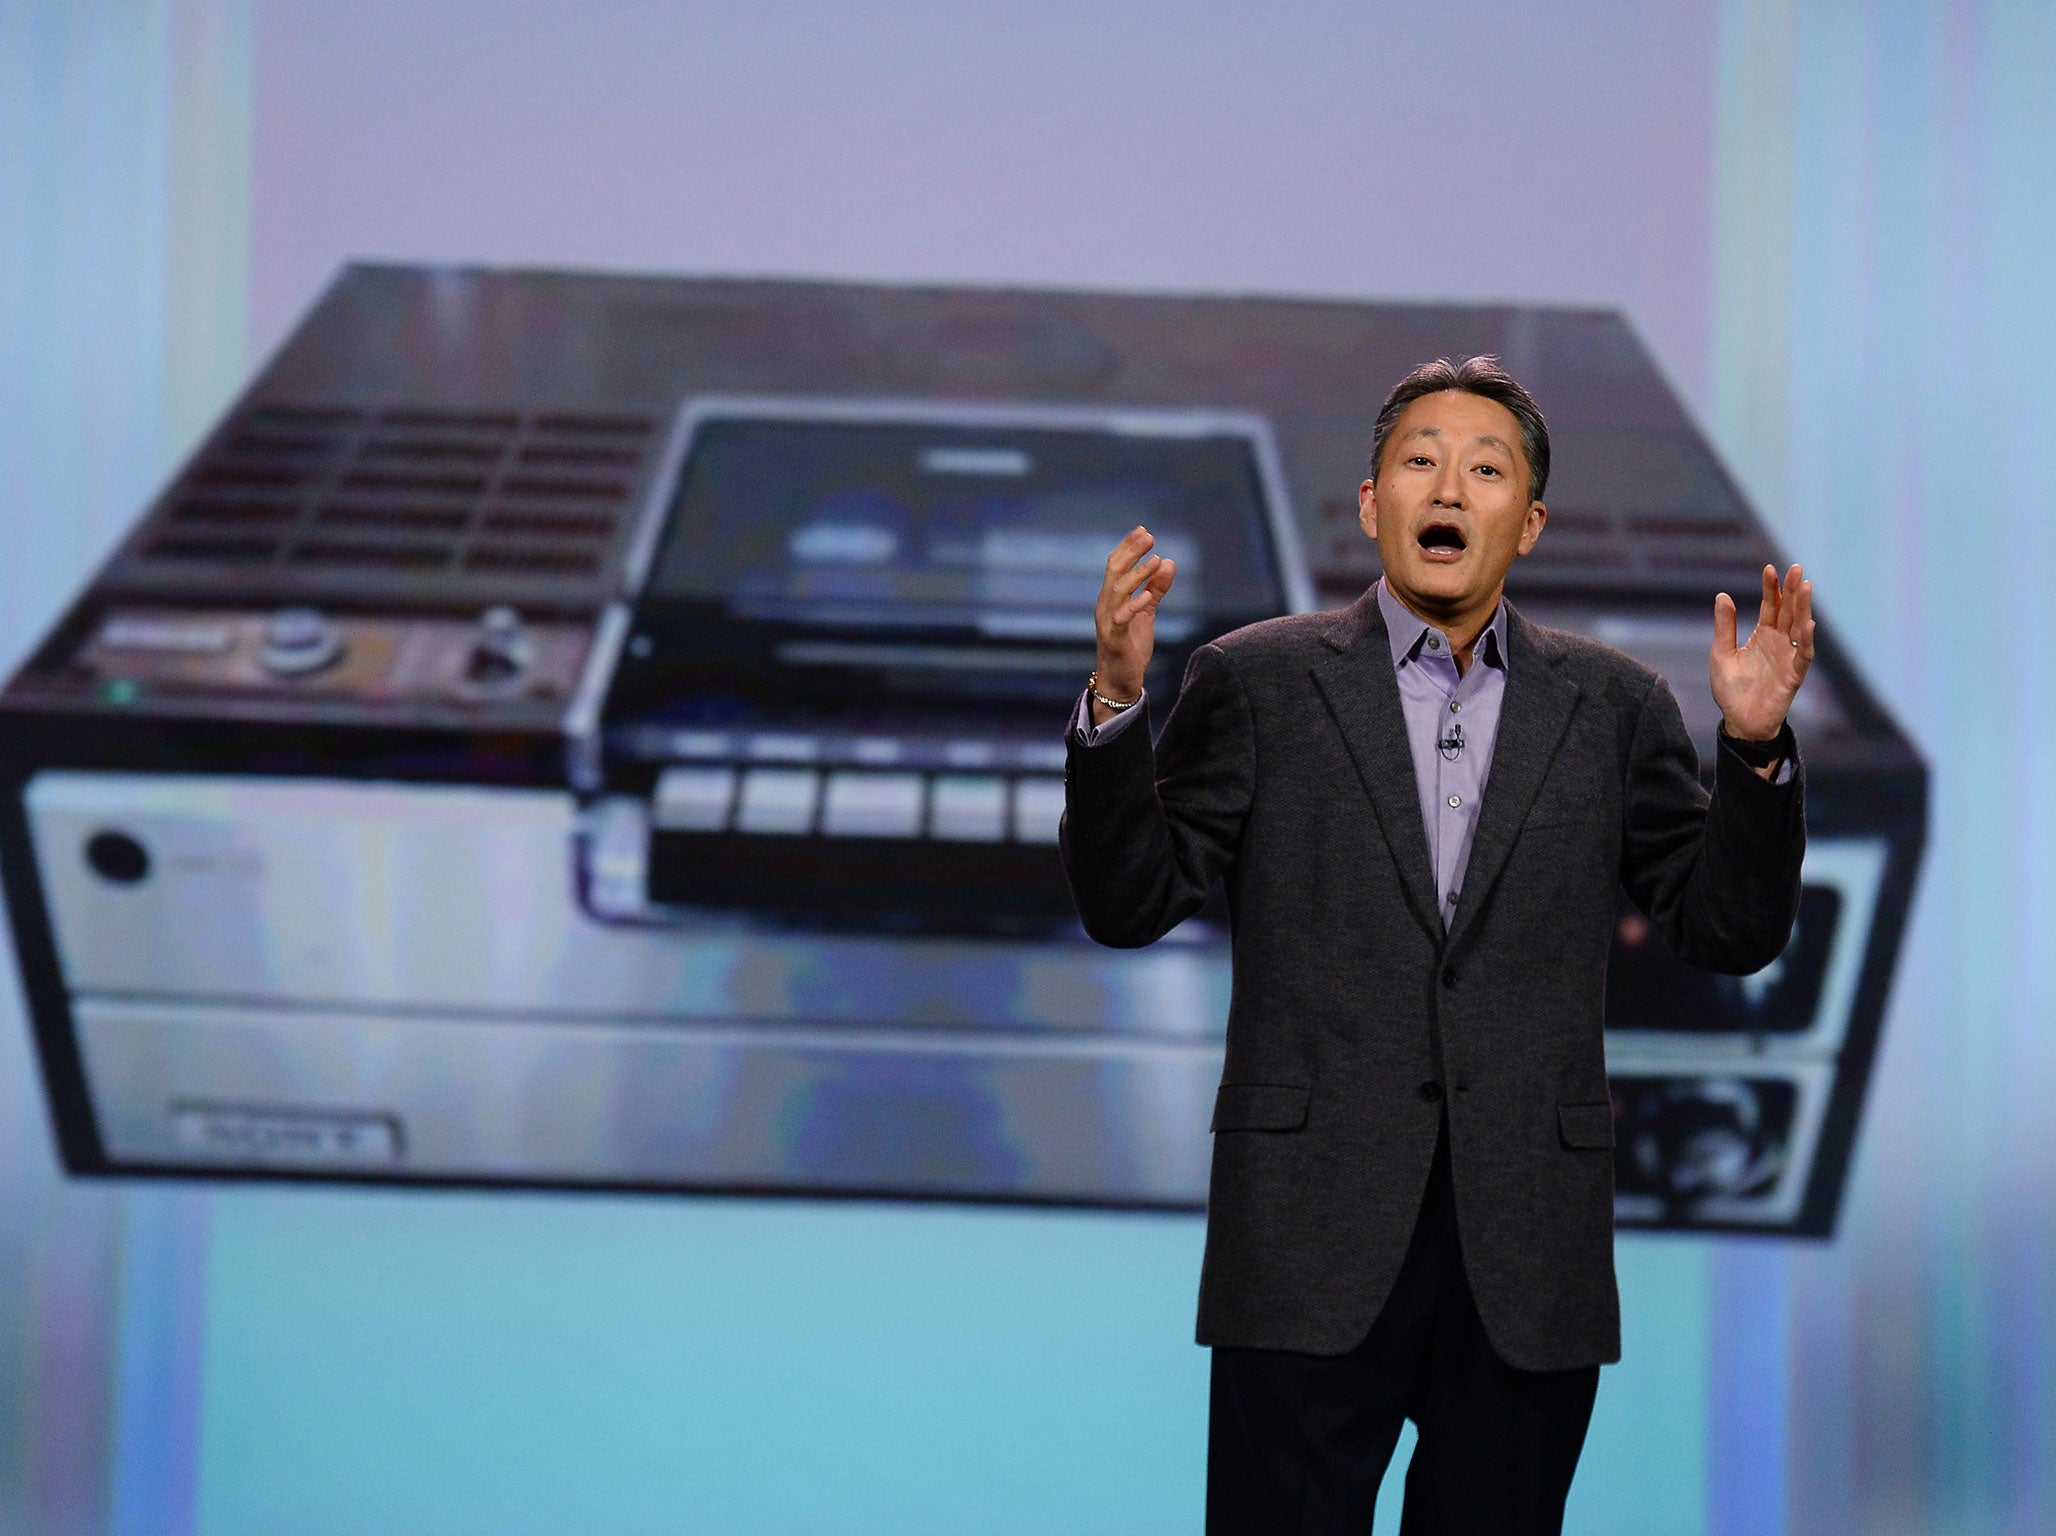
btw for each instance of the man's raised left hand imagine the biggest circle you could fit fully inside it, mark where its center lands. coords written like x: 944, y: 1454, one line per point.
x: 1753, y: 683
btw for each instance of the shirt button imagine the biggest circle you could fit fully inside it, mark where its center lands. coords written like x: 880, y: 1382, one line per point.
x: 1455, y: 708
x: 1455, y: 802
x: 1449, y: 978
x: 1430, y: 1091
x: 1434, y: 642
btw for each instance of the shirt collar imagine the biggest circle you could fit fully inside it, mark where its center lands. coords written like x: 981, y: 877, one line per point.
x: 1409, y: 633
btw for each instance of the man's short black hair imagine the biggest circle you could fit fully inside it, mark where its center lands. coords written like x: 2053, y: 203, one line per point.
x: 1474, y: 376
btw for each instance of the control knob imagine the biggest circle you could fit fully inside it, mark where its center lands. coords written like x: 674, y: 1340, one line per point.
x: 503, y: 649
x: 300, y: 641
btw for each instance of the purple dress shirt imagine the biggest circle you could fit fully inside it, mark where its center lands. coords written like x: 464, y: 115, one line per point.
x: 1451, y: 724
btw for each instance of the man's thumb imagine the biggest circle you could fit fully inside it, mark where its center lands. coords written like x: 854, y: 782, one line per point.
x: 1723, y: 622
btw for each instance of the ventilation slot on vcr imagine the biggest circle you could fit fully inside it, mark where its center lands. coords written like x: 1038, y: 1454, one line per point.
x: 322, y: 502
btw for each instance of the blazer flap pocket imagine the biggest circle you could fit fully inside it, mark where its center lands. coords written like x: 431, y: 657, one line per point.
x: 1585, y: 1125
x: 1261, y: 1106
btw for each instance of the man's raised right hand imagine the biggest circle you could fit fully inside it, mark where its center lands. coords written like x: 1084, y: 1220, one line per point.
x: 1125, y: 617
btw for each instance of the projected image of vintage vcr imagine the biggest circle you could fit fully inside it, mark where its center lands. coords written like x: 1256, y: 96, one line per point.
x: 606, y: 732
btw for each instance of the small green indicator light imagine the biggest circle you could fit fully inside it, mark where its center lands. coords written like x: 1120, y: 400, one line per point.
x: 120, y: 690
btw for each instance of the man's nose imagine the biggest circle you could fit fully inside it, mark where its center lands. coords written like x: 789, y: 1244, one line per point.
x: 1449, y: 488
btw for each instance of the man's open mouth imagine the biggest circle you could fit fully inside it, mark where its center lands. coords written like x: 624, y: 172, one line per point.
x: 1441, y: 536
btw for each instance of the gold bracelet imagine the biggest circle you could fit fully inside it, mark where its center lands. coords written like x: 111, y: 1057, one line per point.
x: 1092, y: 687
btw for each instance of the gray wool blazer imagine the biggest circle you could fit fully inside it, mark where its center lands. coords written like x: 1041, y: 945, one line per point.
x: 1355, y: 1023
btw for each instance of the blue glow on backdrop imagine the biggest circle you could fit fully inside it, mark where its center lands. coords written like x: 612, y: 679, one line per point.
x: 1832, y: 222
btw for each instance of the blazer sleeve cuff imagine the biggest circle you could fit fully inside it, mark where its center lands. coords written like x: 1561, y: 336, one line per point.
x: 1740, y: 784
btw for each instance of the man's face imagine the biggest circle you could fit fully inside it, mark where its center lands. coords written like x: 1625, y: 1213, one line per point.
x: 1450, y: 508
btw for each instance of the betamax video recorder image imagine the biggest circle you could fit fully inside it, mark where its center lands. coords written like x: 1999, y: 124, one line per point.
x: 599, y: 731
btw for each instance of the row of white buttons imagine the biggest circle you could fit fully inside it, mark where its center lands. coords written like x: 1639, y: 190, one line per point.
x: 868, y: 751
x: 978, y: 808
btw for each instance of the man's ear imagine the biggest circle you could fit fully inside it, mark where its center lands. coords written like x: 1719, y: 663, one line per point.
x: 1531, y: 528
x: 1367, y: 508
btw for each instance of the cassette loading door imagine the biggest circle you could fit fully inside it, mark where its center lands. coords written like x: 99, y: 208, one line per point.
x: 604, y: 731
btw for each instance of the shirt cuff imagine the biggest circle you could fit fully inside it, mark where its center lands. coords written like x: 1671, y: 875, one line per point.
x: 1098, y: 735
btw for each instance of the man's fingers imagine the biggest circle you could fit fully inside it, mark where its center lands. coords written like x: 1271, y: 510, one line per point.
x: 1723, y: 625
x: 1126, y: 594
x: 1148, y: 592
x: 1802, y: 625
x: 1128, y: 566
x: 1767, y: 613
x: 1157, y: 578
x: 1129, y: 550
x: 1127, y: 586
x: 1788, y: 601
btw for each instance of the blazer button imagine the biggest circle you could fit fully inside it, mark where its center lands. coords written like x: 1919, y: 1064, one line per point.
x: 1449, y: 978
x: 1430, y: 1091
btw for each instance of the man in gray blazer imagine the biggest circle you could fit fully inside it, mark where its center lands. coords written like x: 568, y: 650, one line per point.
x: 1423, y: 808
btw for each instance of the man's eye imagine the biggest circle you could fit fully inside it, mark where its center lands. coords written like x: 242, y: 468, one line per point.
x: 1419, y: 458
x: 1488, y: 469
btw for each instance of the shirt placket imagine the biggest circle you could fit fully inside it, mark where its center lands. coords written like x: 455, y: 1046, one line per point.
x: 1457, y: 778
x: 1450, y: 799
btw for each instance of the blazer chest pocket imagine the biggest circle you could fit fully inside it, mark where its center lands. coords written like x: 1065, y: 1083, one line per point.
x: 1260, y: 1106
x: 1585, y: 1126
x: 1558, y: 811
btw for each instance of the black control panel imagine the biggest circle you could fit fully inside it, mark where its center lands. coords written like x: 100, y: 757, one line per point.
x: 846, y: 672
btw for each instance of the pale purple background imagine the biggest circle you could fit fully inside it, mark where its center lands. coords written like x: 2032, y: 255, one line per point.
x: 1558, y: 152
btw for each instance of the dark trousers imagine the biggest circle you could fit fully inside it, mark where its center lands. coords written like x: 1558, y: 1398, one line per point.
x: 1299, y: 1443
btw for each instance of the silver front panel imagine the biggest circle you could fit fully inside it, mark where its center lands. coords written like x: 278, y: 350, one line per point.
x: 403, y: 980
x: 748, y: 1105
x: 463, y: 900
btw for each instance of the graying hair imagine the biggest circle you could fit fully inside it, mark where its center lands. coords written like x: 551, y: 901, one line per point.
x: 1474, y: 376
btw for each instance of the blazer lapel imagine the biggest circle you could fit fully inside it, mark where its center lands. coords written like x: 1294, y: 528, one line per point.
x: 1363, y: 697
x: 1533, y: 715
